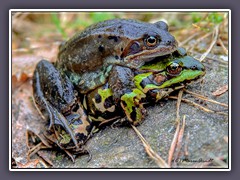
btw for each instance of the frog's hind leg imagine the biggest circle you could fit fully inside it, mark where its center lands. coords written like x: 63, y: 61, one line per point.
x: 54, y: 95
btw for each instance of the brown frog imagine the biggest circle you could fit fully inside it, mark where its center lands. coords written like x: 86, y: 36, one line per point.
x: 87, y: 56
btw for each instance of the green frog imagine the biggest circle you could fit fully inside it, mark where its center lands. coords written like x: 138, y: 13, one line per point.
x: 150, y: 83
x: 82, y: 114
x: 85, y: 63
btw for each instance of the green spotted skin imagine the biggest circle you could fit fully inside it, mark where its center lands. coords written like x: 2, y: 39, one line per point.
x: 154, y: 81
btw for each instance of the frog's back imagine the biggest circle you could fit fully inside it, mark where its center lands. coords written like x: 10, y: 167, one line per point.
x: 118, y: 27
x: 123, y: 28
x: 97, y: 42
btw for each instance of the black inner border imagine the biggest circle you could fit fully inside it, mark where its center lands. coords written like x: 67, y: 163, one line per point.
x: 4, y: 75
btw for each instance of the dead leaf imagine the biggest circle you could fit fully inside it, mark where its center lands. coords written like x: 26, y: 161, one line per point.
x: 220, y: 91
x: 36, y: 163
x: 24, y: 65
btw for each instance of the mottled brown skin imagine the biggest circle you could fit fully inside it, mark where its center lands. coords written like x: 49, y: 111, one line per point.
x: 117, y: 41
x: 121, y: 81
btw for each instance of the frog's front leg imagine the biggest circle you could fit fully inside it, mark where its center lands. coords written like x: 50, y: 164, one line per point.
x: 55, y: 97
x: 125, y: 92
x: 131, y: 102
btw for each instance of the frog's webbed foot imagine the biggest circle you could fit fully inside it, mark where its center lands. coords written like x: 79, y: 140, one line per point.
x: 58, y: 119
x: 120, y: 122
x: 54, y: 95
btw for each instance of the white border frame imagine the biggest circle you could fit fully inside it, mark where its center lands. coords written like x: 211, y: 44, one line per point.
x: 114, y: 10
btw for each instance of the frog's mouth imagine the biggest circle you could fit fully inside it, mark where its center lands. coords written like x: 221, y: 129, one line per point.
x: 198, y: 79
x: 183, y: 79
x: 161, y: 51
x: 139, y: 59
x: 185, y: 83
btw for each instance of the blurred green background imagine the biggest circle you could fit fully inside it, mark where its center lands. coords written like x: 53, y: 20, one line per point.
x: 49, y: 27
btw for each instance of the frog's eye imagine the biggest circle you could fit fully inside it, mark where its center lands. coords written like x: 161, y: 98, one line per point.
x: 151, y: 41
x: 174, y: 69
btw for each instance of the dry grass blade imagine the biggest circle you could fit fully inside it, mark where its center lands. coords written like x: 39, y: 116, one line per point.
x: 188, y: 39
x: 173, y: 145
x: 174, y: 141
x: 200, y: 39
x: 186, y: 153
x: 178, y: 103
x: 222, y: 45
x: 199, y: 106
x: 70, y: 155
x: 225, y: 139
x: 210, y: 57
x: 205, y: 98
x: 45, y: 158
x: 107, y: 121
x: 159, y: 161
x: 211, y: 45
x: 180, y: 137
x: 219, y: 161
x: 35, y: 149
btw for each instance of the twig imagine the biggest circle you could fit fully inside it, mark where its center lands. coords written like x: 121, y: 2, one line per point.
x: 180, y: 137
x: 186, y: 153
x: 35, y: 149
x: 175, y: 137
x: 159, y: 161
x: 223, y: 46
x: 205, y: 98
x: 219, y: 161
x: 45, y: 159
x: 200, y: 39
x: 199, y: 106
x: 210, y: 57
x: 188, y: 39
x: 211, y: 45
x: 173, y: 145
x: 178, y: 103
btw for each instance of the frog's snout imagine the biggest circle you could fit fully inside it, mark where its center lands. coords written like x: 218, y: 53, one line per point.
x: 171, y: 41
x: 198, y: 66
x: 192, y: 63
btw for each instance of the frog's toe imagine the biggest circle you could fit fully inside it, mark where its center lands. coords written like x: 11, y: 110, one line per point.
x: 120, y: 122
x: 138, y: 115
